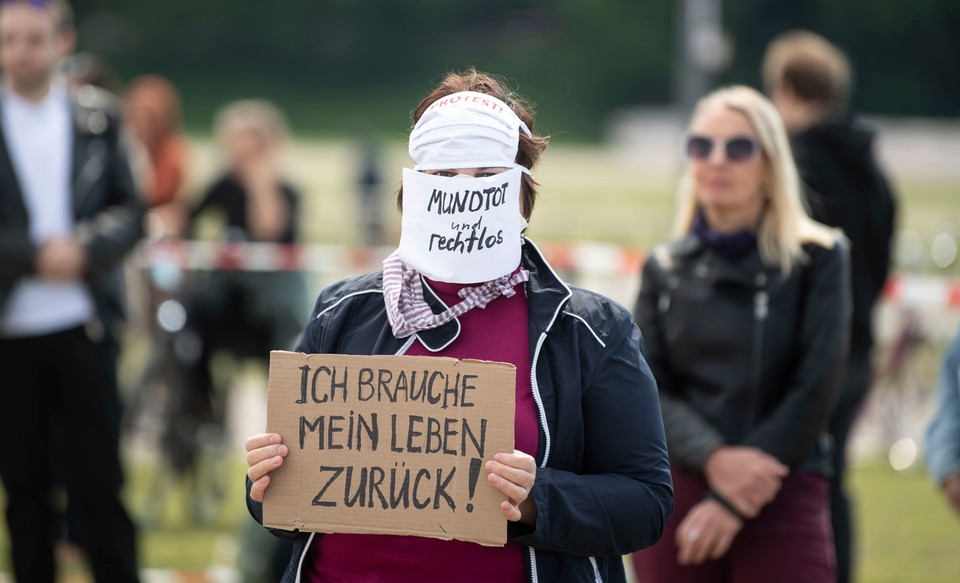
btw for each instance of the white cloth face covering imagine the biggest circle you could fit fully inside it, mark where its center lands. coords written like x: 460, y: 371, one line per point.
x: 467, y: 130
x: 461, y: 229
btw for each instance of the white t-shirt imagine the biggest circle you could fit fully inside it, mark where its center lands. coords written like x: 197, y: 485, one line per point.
x: 40, y: 141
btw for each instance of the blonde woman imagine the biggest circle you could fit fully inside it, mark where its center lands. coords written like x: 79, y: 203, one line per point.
x: 257, y: 201
x: 745, y: 321
x: 242, y: 313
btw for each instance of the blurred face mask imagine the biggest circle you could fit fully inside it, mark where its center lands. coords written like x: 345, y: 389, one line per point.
x: 461, y: 229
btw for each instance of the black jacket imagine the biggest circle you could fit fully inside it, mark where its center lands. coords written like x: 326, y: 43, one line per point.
x: 847, y: 189
x: 603, y: 486
x: 228, y: 196
x: 741, y: 355
x: 107, y: 208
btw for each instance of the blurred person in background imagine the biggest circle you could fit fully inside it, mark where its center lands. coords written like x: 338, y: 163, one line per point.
x: 588, y: 480
x: 151, y: 113
x: 370, y: 189
x: 808, y: 80
x: 744, y: 318
x: 943, y: 434
x: 69, y: 211
x: 255, y: 202
x: 242, y: 313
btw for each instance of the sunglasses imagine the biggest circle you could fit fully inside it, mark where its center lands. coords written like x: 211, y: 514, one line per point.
x: 737, y: 148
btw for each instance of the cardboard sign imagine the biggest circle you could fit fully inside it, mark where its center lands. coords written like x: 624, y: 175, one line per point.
x: 389, y: 444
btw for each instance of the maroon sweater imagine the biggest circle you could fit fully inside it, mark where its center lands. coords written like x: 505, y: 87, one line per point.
x: 497, y: 333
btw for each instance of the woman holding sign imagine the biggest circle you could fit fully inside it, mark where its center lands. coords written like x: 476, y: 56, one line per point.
x: 589, y: 478
x: 744, y: 318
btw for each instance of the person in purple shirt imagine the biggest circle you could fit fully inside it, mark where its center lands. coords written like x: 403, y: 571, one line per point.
x: 589, y: 479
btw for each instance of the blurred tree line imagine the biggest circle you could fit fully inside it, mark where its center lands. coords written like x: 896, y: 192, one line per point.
x: 343, y: 65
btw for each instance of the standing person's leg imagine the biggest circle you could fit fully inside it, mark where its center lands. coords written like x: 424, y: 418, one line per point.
x: 24, y: 464
x: 94, y: 476
x: 658, y: 564
x: 109, y: 352
x: 856, y: 383
x: 790, y: 541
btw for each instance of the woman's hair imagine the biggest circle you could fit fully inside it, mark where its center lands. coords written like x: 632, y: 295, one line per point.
x: 158, y: 95
x: 530, y: 148
x: 257, y: 115
x: 810, y: 66
x: 785, y: 225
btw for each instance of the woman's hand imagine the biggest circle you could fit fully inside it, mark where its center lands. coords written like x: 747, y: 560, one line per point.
x: 746, y: 477
x: 265, y: 453
x: 513, y: 474
x: 706, y: 532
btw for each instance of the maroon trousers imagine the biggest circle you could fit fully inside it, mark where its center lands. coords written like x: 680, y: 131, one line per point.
x: 789, y: 542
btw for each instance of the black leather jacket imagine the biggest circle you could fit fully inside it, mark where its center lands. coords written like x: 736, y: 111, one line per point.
x: 107, y: 208
x: 603, y: 486
x: 743, y: 355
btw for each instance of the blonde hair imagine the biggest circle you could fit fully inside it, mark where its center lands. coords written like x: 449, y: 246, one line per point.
x: 259, y: 115
x: 810, y: 66
x: 785, y: 225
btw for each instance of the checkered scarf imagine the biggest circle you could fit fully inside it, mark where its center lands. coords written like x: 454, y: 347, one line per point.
x: 407, y: 310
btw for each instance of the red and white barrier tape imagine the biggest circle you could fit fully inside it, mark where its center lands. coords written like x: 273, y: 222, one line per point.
x: 922, y: 291
x: 205, y: 255
x: 582, y: 259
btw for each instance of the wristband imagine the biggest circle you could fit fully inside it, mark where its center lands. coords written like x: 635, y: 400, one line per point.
x: 726, y: 504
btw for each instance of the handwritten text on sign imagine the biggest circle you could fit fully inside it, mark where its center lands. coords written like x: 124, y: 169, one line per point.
x: 448, y: 219
x: 389, y: 444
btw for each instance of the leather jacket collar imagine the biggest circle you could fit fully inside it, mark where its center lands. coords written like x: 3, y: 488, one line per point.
x: 707, y: 264
x: 90, y: 156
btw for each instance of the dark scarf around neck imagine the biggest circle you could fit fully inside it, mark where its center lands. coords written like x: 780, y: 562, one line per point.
x: 732, y: 246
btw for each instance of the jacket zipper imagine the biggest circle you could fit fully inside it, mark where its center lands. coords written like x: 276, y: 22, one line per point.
x: 596, y: 570
x: 303, y: 555
x: 761, y: 309
x: 540, y: 410
x: 306, y: 549
x: 546, y: 432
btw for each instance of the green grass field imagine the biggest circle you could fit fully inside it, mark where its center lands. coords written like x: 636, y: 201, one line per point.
x: 907, y: 533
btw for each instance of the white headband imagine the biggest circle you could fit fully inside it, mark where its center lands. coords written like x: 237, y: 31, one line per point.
x: 467, y: 130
